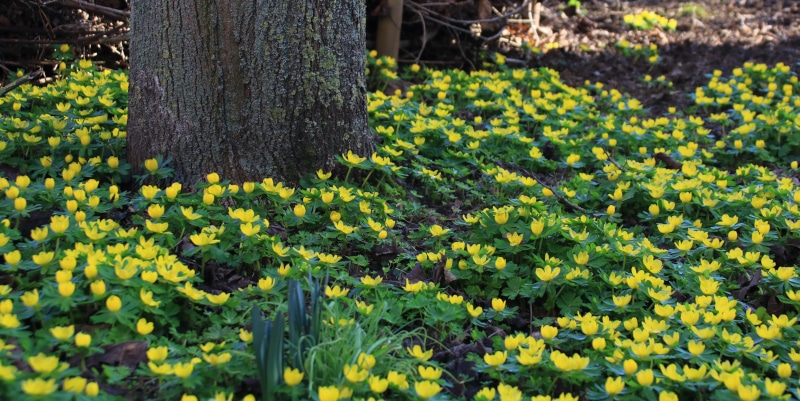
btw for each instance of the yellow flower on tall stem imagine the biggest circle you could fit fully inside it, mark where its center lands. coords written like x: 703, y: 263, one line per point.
x: 427, y: 389
x: 292, y: 377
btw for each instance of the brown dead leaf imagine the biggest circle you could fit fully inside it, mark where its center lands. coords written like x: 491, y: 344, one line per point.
x: 416, y: 274
x: 485, y: 12
x: 742, y: 293
x: 129, y: 354
x: 666, y: 159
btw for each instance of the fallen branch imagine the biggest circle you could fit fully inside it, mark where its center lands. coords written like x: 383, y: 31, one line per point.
x: 561, y: 198
x: 24, y: 79
x: 97, y: 9
x: 446, y: 21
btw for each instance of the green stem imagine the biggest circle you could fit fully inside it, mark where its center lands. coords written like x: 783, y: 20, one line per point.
x: 347, y: 176
x: 366, y: 179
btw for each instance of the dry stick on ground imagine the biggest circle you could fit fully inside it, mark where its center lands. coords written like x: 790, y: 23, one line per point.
x: 448, y: 22
x: 467, y: 22
x: 424, y: 37
x: 98, y: 38
x: 461, y: 49
x: 97, y: 9
x: 25, y: 78
x: 560, y: 197
x: 614, y: 162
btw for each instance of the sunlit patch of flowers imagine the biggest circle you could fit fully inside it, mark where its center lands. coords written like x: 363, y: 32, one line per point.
x: 638, y: 50
x: 623, y: 255
x: 659, y: 81
x: 647, y: 20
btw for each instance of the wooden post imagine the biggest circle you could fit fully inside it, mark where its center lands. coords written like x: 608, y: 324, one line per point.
x: 388, y: 38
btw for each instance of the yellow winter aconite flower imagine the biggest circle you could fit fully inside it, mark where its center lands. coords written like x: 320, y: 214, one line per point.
x: 75, y: 384
x: 62, y: 333
x: 336, y: 291
x: 573, y: 158
x: 249, y: 229
x: 292, y: 377
x: 12, y: 258
x: 29, y: 298
x: 41, y: 363
x: 437, y: 230
x: 147, y: 298
x: 161, y: 370
x: 354, y: 374
x: 501, y: 216
x: 671, y: 372
x: 667, y: 396
x: 113, y: 303
x: 328, y: 393
x: 498, y: 304
x: 151, y: 165
x: 547, y: 273
x: 344, y: 228
x: 203, y: 239
x: 567, y: 364
x: 328, y: 259
x: 183, y: 370
x: 377, y: 384
x: 515, y: 239
x: 426, y: 389
x: 614, y: 386
x: 39, y: 386
x: 217, y: 359
x: 748, y: 392
x: 417, y: 352
x: 496, y: 359
x: 473, y: 310
x: 43, y: 258
x: 371, y: 281
x: 352, y: 158
x: 266, y: 284
x: 66, y: 289
x: 218, y: 299
x: 189, y: 213
x: 144, y: 327
x: 415, y: 287
x: 548, y: 332
x: 83, y: 340
x: 323, y: 175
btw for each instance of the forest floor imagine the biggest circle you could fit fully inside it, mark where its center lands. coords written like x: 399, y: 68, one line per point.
x: 453, y: 197
x: 710, y: 35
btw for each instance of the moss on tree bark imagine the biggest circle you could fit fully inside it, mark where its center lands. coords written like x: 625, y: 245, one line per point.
x: 248, y: 89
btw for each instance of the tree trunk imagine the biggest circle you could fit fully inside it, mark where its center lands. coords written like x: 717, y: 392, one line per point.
x: 247, y: 88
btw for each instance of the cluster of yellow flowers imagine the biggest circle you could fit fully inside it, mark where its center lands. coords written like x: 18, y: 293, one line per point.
x: 628, y: 307
x: 647, y: 20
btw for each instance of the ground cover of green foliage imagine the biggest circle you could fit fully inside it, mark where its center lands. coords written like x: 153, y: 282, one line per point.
x: 580, y: 247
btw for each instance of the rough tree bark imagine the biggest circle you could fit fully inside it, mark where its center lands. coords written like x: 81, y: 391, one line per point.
x: 247, y: 88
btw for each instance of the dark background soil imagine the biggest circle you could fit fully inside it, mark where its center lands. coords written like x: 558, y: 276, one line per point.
x: 711, y: 34
x: 720, y: 35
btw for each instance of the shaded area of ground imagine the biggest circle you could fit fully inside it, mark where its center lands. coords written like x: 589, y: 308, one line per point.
x: 723, y: 37
x: 581, y: 44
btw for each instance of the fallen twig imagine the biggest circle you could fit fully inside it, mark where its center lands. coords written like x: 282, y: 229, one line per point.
x: 558, y: 196
x: 442, y: 19
x: 97, y: 9
x: 24, y: 79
